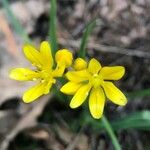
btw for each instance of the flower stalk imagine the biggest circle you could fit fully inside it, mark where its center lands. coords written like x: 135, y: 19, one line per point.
x: 111, y: 133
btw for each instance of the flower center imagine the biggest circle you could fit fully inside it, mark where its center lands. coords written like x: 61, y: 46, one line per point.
x: 96, y: 80
x: 46, y: 76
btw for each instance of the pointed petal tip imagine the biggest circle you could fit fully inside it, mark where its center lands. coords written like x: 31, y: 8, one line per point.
x: 26, y: 99
x: 97, y: 116
x: 26, y: 46
x: 94, y: 66
x: 122, y: 68
x: 124, y: 102
x: 62, y: 89
x: 70, y: 88
x: 73, y: 105
x: 45, y: 43
x: 13, y: 74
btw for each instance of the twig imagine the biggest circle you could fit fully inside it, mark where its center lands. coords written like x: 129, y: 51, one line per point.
x: 107, y: 49
x: 72, y: 145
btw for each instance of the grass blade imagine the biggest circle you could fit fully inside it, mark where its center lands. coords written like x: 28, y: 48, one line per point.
x: 109, y: 130
x: 88, y: 30
x: 139, y: 120
x: 140, y: 93
x: 14, y: 22
x: 53, y: 23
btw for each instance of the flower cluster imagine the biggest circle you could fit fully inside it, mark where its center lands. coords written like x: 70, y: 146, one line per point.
x: 85, y: 79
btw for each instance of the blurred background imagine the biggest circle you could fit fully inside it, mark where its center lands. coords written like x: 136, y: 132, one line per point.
x: 121, y: 36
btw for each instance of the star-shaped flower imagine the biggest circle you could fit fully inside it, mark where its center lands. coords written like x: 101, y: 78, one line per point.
x: 44, y: 73
x: 94, y: 81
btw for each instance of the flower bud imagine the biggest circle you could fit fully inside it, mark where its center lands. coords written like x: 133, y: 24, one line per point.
x: 80, y: 64
x: 64, y: 56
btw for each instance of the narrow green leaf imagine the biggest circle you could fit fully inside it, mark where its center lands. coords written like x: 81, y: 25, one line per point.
x: 14, y: 22
x: 139, y: 120
x: 88, y: 30
x: 140, y: 93
x: 53, y: 26
x: 111, y: 133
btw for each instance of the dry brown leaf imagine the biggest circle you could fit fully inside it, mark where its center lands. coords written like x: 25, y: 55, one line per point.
x: 26, y: 121
x: 4, y: 27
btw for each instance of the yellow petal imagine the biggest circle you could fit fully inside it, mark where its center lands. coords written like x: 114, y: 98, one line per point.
x: 46, y: 53
x: 112, y: 73
x: 94, y: 66
x: 97, y: 102
x: 80, y: 96
x: 33, y: 55
x: 23, y: 74
x: 114, y: 94
x: 80, y: 64
x: 77, y: 76
x: 34, y: 92
x: 48, y: 87
x: 64, y: 56
x: 59, y: 71
x: 70, y: 88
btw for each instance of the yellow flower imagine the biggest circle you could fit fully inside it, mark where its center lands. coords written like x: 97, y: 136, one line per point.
x: 94, y: 81
x: 44, y: 73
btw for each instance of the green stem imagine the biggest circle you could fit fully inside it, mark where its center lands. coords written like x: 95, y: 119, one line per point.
x: 88, y: 30
x: 111, y: 133
x: 53, y: 24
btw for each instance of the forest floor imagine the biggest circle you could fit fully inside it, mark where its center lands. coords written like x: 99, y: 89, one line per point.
x: 121, y: 37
